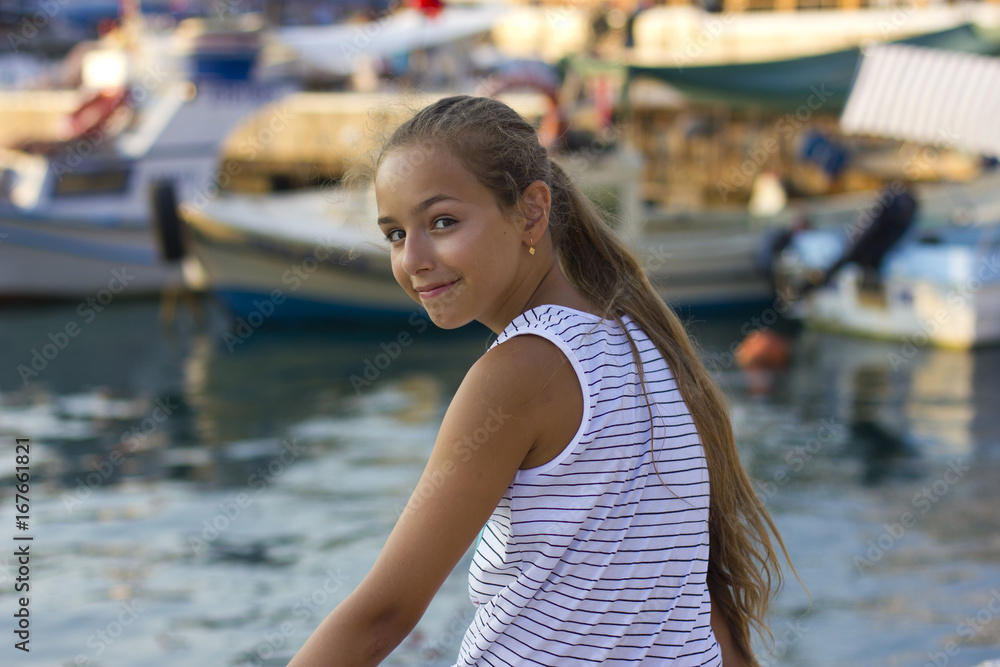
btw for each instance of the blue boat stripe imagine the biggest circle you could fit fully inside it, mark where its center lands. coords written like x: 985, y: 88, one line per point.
x: 79, y: 247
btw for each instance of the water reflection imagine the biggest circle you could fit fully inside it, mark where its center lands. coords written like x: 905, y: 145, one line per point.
x: 230, y: 489
x: 899, y: 408
x: 881, y: 464
x: 163, y: 403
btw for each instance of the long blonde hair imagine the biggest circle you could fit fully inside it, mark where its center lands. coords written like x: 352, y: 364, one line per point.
x: 503, y: 152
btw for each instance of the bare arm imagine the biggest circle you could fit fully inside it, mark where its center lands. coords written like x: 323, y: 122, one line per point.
x: 462, y: 484
x: 730, y: 654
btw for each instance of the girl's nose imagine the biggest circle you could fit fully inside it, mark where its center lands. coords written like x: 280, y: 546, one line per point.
x: 417, y: 254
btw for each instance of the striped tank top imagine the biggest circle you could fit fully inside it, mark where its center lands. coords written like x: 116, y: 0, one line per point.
x: 598, y: 556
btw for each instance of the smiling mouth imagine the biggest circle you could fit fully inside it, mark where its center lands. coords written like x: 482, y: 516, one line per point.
x: 428, y: 294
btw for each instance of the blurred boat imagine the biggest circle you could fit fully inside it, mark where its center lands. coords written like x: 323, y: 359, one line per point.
x: 819, y: 80
x: 75, y: 211
x: 248, y: 250
x: 939, y: 286
x: 689, y: 34
x: 318, y: 254
x: 723, y: 31
x: 296, y: 256
x: 339, y: 50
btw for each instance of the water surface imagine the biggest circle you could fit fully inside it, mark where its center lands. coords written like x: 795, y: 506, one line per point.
x: 200, y: 501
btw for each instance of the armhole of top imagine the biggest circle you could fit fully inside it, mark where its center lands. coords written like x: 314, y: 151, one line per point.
x: 581, y: 377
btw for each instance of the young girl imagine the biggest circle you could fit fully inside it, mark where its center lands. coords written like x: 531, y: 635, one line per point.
x: 589, y: 448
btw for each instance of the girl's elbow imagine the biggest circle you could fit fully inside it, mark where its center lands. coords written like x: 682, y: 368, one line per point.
x: 389, y: 628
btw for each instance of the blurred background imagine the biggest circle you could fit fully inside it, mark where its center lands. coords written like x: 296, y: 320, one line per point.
x: 228, y: 399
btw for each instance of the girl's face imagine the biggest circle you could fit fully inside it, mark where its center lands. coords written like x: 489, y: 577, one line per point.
x: 453, y: 250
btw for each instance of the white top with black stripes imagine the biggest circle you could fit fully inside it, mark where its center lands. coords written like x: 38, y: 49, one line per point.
x: 600, y: 557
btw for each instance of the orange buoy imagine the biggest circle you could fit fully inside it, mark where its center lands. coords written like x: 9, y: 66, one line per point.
x: 763, y: 349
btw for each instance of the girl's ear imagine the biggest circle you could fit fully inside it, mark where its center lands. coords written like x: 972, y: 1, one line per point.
x: 536, y: 202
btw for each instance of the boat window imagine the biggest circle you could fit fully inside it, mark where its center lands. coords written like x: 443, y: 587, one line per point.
x: 92, y: 182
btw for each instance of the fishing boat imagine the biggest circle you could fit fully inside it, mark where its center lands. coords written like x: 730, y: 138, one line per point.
x: 942, y: 284
x: 313, y: 255
x: 340, y: 49
x: 940, y: 287
x: 318, y: 255
x: 816, y: 80
x: 685, y: 35
x: 75, y: 211
x: 295, y: 256
x: 247, y: 256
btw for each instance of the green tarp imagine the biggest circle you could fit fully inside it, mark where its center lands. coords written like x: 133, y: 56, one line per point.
x: 815, y: 82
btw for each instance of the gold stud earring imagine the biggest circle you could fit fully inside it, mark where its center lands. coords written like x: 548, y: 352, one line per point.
x: 531, y: 247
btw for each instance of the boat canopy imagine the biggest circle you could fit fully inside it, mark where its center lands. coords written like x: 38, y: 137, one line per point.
x: 818, y: 82
x: 335, y: 49
x: 930, y: 96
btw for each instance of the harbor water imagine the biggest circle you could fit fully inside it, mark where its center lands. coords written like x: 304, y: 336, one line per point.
x: 204, y: 493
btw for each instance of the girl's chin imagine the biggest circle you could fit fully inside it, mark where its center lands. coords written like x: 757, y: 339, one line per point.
x: 446, y: 320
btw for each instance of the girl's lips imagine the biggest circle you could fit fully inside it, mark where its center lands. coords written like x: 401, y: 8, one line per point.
x: 436, y: 291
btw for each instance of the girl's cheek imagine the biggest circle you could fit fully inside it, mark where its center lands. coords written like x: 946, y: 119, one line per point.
x: 398, y: 273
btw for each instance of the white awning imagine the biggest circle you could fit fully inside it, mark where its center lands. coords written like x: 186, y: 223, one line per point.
x: 930, y: 96
x: 335, y: 48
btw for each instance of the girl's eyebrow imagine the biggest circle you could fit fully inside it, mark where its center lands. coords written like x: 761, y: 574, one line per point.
x: 420, y: 208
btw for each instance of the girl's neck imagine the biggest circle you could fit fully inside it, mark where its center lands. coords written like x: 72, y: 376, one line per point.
x: 556, y: 289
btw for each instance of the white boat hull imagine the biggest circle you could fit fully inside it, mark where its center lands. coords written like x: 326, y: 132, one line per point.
x: 61, y: 260
x: 709, y: 268
x: 71, y: 217
x: 326, y: 260
x: 297, y: 284
x: 917, y: 312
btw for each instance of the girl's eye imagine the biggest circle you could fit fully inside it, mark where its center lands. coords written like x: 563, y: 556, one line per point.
x: 448, y: 222
x: 439, y: 223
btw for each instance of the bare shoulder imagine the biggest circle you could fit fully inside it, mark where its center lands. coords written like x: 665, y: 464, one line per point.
x: 535, y: 382
x: 521, y: 369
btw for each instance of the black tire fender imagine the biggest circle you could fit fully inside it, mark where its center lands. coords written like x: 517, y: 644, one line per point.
x: 167, y: 223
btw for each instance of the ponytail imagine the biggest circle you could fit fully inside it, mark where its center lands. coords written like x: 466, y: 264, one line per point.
x: 743, y: 568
